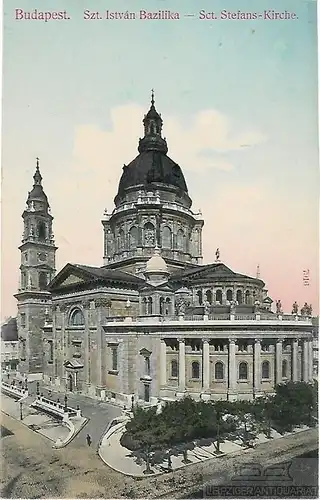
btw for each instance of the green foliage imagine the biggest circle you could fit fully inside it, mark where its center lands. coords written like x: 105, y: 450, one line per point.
x: 185, y: 420
x: 293, y: 404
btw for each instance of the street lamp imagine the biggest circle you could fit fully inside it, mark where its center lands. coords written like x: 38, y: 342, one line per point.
x: 26, y: 384
x: 65, y: 403
x: 132, y: 402
x: 21, y: 416
x: 38, y: 388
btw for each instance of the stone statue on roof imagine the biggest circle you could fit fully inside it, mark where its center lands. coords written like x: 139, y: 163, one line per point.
x: 279, y: 307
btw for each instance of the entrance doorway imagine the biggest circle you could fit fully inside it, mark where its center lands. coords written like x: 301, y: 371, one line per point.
x: 70, y: 382
x: 147, y: 392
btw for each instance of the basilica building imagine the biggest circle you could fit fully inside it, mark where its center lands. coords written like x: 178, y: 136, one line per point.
x: 153, y: 323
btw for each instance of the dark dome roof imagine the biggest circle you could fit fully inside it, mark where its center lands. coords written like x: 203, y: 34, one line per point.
x: 152, y: 165
x: 149, y: 167
x: 37, y: 193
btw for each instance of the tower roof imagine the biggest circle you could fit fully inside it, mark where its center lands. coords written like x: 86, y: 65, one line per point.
x: 37, y: 193
x: 152, y: 165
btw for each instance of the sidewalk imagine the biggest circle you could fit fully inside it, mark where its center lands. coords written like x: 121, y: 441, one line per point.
x: 131, y: 464
x: 39, y: 422
x: 123, y: 460
x: 99, y: 413
x: 61, y: 432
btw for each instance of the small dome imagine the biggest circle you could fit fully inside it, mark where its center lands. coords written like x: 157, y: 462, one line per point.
x: 156, y: 264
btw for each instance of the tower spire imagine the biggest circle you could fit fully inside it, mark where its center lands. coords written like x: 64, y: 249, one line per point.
x: 258, y: 271
x: 37, y: 176
x: 152, y: 122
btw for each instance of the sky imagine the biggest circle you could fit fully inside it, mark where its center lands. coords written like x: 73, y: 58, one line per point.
x: 239, y: 103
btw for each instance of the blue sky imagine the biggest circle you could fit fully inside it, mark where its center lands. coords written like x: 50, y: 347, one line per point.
x: 74, y: 94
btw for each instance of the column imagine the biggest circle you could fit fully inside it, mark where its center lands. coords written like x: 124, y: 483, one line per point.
x: 224, y: 295
x: 205, y: 365
x: 278, y: 371
x: 294, y: 360
x: 257, y: 366
x: 182, y: 365
x: 305, y: 361
x: 163, y: 363
x: 311, y: 360
x: 232, y: 366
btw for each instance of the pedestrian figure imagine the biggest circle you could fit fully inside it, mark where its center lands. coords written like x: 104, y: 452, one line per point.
x: 89, y: 440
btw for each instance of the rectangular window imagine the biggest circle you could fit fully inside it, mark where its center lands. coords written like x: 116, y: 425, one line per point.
x: 147, y: 365
x: 23, y: 319
x: 114, y: 351
x: 51, y: 351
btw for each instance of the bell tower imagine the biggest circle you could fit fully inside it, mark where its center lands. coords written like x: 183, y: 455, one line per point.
x: 36, y: 271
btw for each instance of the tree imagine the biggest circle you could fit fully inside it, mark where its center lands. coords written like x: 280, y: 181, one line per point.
x: 144, y: 429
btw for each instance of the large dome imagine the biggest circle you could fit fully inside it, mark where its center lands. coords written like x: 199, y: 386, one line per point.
x: 152, y: 166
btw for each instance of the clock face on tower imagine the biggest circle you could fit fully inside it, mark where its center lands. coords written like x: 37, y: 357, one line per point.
x: 42, y: 257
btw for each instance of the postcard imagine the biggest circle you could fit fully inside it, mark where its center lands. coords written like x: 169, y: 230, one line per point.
x: 160, y: 249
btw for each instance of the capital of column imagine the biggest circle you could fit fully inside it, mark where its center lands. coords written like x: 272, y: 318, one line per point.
x: 279, y: 341
x: 257, y: 341
x: 205, y: 341
x: 181, y: 341
x: 231, y: 340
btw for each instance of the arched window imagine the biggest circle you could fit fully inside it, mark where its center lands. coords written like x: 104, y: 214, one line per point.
x: 133, y: 237
x: 284, y: 368
x: 219, y: 296
x: 266, y: 369
x: 149, y: 236
x: 43, y: 280
x: 161, y: 305
x: 174, y: 368
x: 195, y: 369
x: 167, y: 308
x: 209, y: 296
x: 181, y: 240
x: 247, y: 297
x: 76, y: 318
x: 121, y: 244
x: 166, y: 237
x: 229, y: 295
x: 218, y: 371
x: 243, y: 371
x: 23, y: 280
x: 145, y: 305
x: 150, y: 305
x: 199, y: 294
x: 239, y: 297
x: 41, y: 230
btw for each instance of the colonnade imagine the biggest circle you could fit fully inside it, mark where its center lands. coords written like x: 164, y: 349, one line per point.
x: 306, y: 373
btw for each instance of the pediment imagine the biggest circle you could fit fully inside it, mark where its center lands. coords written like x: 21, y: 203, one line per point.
x: 144, y: 352
x: 68, y: 276
x: 73, y: 365
x: 71, y: 280
x: 213, y: 271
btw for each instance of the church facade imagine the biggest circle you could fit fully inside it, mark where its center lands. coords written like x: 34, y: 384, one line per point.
x: 153, y: 323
